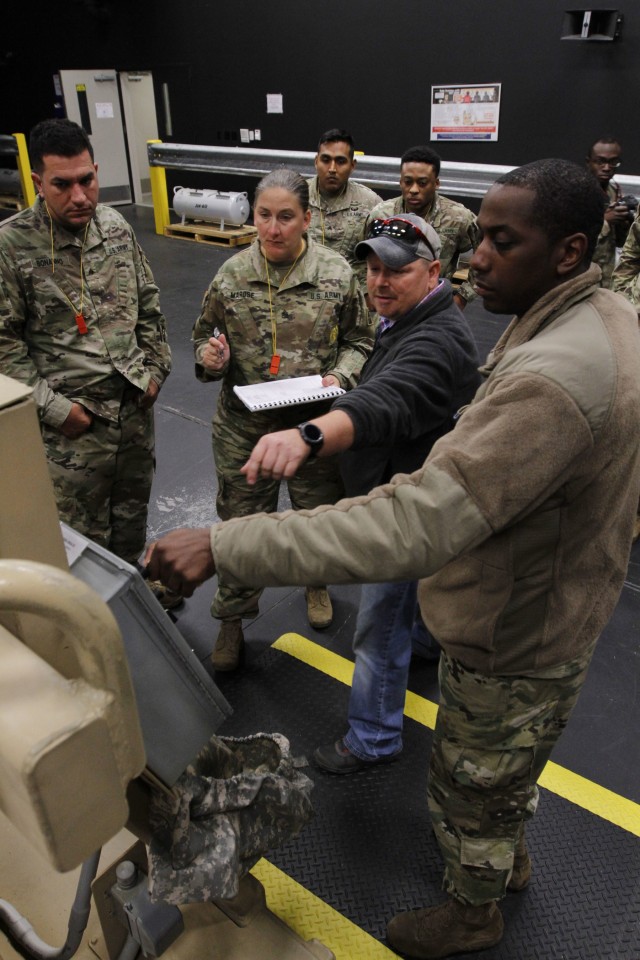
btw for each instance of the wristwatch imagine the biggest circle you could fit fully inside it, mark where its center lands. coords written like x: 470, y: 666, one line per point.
x: 312, y: 436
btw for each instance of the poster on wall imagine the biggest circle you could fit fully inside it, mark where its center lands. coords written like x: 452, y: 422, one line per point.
x: 465, y: 111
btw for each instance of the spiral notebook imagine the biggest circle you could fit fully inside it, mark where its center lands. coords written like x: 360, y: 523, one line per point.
x: 285, y: 393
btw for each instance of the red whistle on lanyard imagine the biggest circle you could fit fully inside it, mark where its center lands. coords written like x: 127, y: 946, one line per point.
x: 81, y: 323
x: 275, y: 365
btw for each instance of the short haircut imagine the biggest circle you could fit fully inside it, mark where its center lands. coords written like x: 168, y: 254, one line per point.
x: 422, y: 155
x: 58, y: 137
x: 285, y: 179
x: 568, y: 199
x: 602, y: 140
x: 335, y: 135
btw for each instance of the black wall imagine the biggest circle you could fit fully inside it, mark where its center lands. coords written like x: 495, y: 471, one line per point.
x: 367, y: 65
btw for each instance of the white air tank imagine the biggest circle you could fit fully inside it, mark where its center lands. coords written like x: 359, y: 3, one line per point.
x: 213, y: 205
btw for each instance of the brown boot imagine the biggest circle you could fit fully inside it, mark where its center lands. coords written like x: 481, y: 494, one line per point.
x: 229, y: 646
x: 319, y: 609
x: 451, y: 927
x: 521, y: 875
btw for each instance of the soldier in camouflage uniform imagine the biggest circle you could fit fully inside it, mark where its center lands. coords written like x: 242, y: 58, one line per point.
x: 603, y: 159
x: 626, y: 276
x: 80, y: 322
x: 626, y: 280
x: 284, y: 307
x: 339, y: 206
x: 454, y: 224
x: 521, y: 568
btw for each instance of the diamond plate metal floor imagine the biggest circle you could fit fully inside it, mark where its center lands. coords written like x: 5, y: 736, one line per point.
x: 370, y: 851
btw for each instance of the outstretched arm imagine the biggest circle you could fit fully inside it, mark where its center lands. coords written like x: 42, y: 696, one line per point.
x: 280, y: 455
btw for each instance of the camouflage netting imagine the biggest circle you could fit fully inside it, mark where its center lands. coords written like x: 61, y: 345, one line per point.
x: 241, y: 798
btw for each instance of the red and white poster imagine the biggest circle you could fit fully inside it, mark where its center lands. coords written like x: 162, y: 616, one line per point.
x: 465, y: 111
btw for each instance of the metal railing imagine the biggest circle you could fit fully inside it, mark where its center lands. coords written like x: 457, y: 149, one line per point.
x: 458, y: 179
x: 379, y: 173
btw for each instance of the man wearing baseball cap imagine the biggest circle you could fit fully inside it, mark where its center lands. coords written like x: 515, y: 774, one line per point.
x: 422, y: 370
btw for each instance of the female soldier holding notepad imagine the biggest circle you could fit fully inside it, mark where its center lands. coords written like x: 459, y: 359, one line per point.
x: 284, y: 307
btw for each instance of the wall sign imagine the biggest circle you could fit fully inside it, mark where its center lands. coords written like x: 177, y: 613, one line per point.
x: 465, y: 111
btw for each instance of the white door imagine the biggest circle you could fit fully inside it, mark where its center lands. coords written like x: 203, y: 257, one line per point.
x: 92, y: 100
x: 141, y: 124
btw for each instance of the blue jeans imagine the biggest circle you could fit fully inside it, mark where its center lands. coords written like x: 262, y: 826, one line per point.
x: 382, y: 647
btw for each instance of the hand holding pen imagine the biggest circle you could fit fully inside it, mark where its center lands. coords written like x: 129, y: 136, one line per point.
x: 216, y: 353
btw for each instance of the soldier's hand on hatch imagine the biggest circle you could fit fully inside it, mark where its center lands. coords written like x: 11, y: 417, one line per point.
x: 181, y: 560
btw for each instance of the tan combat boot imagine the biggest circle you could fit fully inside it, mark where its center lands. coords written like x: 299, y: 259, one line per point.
x: 451, y: 927
x: 319, y: 608
x: 229, y: 646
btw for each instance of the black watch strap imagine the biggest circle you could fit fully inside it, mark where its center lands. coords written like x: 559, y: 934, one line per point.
x: 312, y: 436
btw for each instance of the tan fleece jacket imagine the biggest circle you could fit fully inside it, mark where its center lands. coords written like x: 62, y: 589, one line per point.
x: 521, y: 517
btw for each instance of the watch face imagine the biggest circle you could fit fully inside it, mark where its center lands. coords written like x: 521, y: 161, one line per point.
x: 312, y: 433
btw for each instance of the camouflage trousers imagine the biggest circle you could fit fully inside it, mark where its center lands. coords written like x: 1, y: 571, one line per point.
x: 317, y: 482
x: 102, y: 480
x: 492, y: 740
x: 240, y: 798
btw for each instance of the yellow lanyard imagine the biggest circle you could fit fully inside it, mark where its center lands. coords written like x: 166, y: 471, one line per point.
x: 81, y: 322
x: 274, y: 366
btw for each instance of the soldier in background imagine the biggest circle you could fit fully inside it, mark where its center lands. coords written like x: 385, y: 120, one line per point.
x: 284, y: 307
x: 626, y: 276
x: 626, y: 280
x: 454, y: 224
x: 80, y: 322
x: 603, y: 159
x: 339, y: 205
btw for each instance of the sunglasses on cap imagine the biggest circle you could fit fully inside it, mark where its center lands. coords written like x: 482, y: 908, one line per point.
x: 399, y: 229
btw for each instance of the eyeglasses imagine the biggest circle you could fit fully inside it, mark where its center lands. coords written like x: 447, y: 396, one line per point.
x: 399, y: 229
x: 606, y: 161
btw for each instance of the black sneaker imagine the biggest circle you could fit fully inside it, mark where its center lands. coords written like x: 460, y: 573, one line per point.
x: 337, y: 758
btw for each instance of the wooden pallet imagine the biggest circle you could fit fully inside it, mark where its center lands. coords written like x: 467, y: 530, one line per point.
x: 9, y: 201
x: 206, y: 233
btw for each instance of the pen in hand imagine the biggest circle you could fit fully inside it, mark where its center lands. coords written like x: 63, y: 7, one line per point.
x: 216, y: 334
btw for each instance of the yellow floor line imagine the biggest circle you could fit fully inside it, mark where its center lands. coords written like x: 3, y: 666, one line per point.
x: 570, y: 786
x: 313, y: 919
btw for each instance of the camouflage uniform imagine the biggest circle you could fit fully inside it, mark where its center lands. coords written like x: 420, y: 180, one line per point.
x: 626, y: 276
x: 338, y: 222
x: 322, y: 327
x: 492, y: 739
x: 240, y: 799
x: 611, y: 237
x: 103, y: 478
x: 454, y: 224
